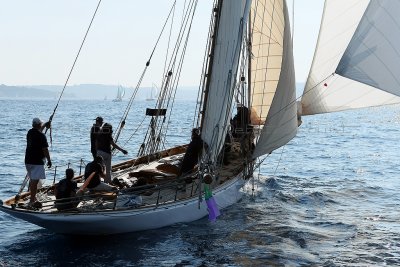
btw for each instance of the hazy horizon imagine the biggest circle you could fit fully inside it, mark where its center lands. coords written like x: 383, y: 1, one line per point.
x: 94, y: 91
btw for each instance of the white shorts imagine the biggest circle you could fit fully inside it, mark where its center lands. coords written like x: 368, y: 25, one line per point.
x: 35, y: 172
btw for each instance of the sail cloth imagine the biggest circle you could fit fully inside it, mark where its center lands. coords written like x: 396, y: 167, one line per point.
x: 373, y: 55
x: 267, y: 30
x: 273, y: 79
x: 328, y: 92
x: 233, y: 19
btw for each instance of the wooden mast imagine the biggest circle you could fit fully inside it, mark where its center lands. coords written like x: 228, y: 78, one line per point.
x: 217, y: 15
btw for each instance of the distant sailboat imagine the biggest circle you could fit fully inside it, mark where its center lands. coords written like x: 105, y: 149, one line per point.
x: 120, y: 94
x: 153, y: 93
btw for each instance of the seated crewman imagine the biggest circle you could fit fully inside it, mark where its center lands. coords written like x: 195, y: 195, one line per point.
x: 94, y: 171
x: 65, y: 190
x: 192, y: 153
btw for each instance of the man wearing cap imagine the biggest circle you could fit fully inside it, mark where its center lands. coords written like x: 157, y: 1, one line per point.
x: 35, y: 154
x: 104, y: 145
x: 93, y: 134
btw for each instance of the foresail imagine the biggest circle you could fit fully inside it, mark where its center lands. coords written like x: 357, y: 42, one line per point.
x: 233, y: 19
x: 267, y: 29
x: 326, y: 91
x: 279, y: 76
x: 373, y: 55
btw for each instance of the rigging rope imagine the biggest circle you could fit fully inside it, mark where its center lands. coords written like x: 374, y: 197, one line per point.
x: 279, y: 161
x: 170, y: 81
x: 308, y: 91
x: 177, y: 76
x: 179, y: 68
x: 73, y: 65
x: 126, y: 112
x: 203, y: 77
x: 130, y: 137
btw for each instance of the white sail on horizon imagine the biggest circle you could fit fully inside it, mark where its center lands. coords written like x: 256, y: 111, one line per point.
x: 120, y: 94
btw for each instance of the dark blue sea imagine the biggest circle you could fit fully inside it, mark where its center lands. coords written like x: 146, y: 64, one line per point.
x: 331, y: 197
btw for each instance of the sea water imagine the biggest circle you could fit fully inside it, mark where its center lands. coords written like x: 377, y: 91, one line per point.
x: 330, y: 197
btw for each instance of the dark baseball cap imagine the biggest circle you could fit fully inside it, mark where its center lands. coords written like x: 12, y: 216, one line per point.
x: 99, y: 119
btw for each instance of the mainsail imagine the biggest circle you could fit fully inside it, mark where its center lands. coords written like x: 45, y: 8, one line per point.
x: 327, y: 91
x: 273, y: 98
x: 228, y: 43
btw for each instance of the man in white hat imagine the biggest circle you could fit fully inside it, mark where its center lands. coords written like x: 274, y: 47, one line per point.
x: 35, y: 154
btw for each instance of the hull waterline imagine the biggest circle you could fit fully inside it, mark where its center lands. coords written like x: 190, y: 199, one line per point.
x: 130, y: 220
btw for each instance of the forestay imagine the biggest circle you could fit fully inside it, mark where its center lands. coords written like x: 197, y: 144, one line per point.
x: 329, y: 92
x: 233, y: 19
x: 273, y: 77
x: 373, y: 55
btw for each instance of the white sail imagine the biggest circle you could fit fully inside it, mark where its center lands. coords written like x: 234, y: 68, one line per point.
x: 273, y: 79
x: 120, y: 94
x: 233, y: 18
x: 373, y: 55
x: 329, y: 92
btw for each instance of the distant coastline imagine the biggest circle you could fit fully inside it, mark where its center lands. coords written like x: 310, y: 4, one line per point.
x: 83, y: 91
x: 91, y: 91
x: 26, y: 92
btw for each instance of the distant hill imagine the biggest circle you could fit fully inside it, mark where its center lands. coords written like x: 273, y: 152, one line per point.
x: 94, y: 91
x: 26, y: 92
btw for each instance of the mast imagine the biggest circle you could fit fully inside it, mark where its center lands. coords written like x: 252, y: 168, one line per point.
x: 222, y: 78
x: 213, y: 39
x: 250, y: 33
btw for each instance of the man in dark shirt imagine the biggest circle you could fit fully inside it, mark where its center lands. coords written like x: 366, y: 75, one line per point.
x: 93, y: 134
x: 65, y: 190
x: 35, y: 154
x: 93, y: 167
x: 192, y: 153
x: 104, y: 144
x: 96, y: 167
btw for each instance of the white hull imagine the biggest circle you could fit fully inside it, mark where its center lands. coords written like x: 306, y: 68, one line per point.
x: 114, y: 222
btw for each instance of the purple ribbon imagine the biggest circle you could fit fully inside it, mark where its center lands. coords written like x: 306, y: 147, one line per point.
x: 213, y: 211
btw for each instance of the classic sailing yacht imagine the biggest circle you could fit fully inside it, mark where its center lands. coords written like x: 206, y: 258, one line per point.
x: 153, y: 93
x: 120, y: 94
x: 249, y: 68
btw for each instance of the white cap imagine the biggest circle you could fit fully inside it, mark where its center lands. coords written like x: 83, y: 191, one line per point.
x: 36, y: 121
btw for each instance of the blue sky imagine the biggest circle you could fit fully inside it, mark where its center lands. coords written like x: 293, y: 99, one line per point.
x: 39, y: 40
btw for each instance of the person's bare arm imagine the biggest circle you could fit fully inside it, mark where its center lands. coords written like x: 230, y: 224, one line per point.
x: 47, y: 155
x: 46, y: 125
x: 85, y: 184
x: 118, y: 147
